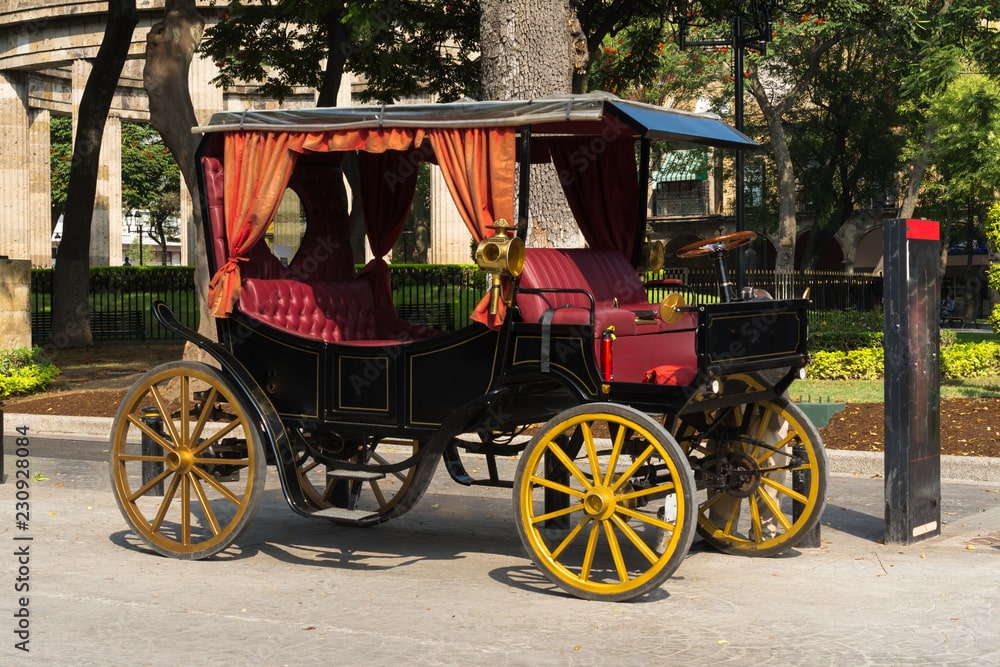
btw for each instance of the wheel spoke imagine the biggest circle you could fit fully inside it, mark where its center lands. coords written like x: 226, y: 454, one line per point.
x: 615, y: 453
x: 635, y: 539
x: 569, y: 465
x: 648, y: 491
x: 556, y: 486
x: 217, y: 436
x: 217, y: 485
x: 756, y: 523
x: 784, y: 490
x: 591, y: 551
x: 161, y: 405
x: 625, y: 476
x: 774, y: 509
x: 144, y: 489
x: 148, y: 430
x: 206, y: 506
x: 616, y: 551
x: 168, y: 498
x: 555, y: 514
x: 571, y: 537
x: 206, y: 411
x: 185, y: 510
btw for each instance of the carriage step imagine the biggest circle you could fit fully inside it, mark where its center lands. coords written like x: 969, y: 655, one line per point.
x: 359, y: 475
x: 344, y: 514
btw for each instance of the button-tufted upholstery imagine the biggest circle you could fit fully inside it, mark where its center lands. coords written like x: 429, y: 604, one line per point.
x: 334, y: 312
x: 645, y: 350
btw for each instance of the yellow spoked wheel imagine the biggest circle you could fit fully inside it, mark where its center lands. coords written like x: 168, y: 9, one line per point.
x: 761, y: 472
x: 382, y: 495
x: 187, y: 460
x: 604, y: 502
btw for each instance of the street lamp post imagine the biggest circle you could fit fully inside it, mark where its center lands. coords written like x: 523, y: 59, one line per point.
x: 751, y: 29
x: 133, y: 221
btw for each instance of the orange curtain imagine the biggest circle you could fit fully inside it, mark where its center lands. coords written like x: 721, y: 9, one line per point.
x: 478, y: 167
x: 257, y: 168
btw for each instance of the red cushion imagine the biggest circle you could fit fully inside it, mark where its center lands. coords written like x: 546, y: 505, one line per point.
x: 643, y: 342
x: 335, y: 312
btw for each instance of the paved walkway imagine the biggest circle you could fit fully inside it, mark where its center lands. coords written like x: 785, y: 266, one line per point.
x: 449, y: 584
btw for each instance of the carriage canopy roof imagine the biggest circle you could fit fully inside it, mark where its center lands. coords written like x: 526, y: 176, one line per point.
x: 571, y: 114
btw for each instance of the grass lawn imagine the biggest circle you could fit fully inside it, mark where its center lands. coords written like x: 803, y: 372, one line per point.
x: 871, y: 391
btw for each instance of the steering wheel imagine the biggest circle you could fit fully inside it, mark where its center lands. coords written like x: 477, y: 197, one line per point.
x: 716, y: 244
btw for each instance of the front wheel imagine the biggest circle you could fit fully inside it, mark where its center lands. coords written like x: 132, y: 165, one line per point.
x: 604, y: 502
x: 762, y: 472
x: 187, y: 460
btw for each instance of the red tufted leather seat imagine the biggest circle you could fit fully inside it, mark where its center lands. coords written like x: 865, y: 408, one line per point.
x: 334, y: 312
x: 647, y: 349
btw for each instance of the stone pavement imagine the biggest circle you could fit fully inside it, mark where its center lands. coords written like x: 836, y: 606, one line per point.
x: 449, y: 584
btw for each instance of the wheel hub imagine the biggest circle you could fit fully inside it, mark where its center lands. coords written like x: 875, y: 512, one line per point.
x: 742, y: 475
x: 600, y: 503
x: 180, y: 460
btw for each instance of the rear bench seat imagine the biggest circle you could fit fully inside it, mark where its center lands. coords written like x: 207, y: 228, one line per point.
x: 333, y: 312
x: 646, y: 348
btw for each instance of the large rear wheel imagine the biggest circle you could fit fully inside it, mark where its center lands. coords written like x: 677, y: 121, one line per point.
x: 187, y: 460
x: 604, y: 502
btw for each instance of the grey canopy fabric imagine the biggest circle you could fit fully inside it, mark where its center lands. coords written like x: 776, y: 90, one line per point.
x: 591, y: 113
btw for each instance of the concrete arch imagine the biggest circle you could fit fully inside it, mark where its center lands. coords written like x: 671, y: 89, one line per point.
x: 46, y: 50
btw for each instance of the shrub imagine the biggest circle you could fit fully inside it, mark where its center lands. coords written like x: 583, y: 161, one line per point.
x: 959, y: 360
x: 967, y: 360
x: 862, y: 364
x: 845, y: 330
x: 25, y: 370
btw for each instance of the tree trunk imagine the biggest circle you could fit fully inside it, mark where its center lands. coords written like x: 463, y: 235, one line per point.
x: 787, y: 226
x: 527, y: 51
x: 918, y: 167
x: 71, y: 282
x: 170, y: 47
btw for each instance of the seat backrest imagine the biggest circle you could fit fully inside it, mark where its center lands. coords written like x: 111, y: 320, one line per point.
x: 606, y: 274
x: 333, y: 312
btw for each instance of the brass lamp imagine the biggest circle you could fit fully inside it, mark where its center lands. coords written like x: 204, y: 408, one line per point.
x: 652, y: 256
x: 500, y: 255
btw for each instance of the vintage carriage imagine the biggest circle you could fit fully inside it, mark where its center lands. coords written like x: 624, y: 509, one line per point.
x: 635, y: 425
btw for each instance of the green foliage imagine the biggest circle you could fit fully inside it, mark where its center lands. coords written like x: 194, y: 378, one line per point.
x: 993, y: 270
x: 958, y: 361
x: 150, y: 175
x: 25, y: 370
x: 862, y: 364
x: 845, y: 330
x: 968, y: 360
x: 401, y: 48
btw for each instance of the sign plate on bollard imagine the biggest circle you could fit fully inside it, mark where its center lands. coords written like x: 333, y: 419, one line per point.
x: 912, y: 380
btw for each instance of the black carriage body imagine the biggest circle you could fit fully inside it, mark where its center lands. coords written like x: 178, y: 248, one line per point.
x: 405, y: 384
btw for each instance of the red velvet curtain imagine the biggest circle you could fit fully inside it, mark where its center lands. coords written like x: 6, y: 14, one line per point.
x: 601, y: 185
x: 388, y: 181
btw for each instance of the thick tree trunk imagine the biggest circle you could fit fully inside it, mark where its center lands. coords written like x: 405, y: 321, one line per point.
x: 170, y: 47
x: 787, y: 225
x: 71, y: 282
x: 527, y: 51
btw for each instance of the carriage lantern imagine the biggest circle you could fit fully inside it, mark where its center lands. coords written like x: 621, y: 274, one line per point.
x: 500, y: 255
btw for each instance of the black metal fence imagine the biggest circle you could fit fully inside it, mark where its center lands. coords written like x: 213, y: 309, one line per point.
x: 438, y: 296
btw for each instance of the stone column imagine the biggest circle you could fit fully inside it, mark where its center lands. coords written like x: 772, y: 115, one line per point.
x: 206, y: 98
x: 106, y: 228
x: 14, y: 227
x: 15, y: 303
x: 450, y: 238
x: 39, y: 210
